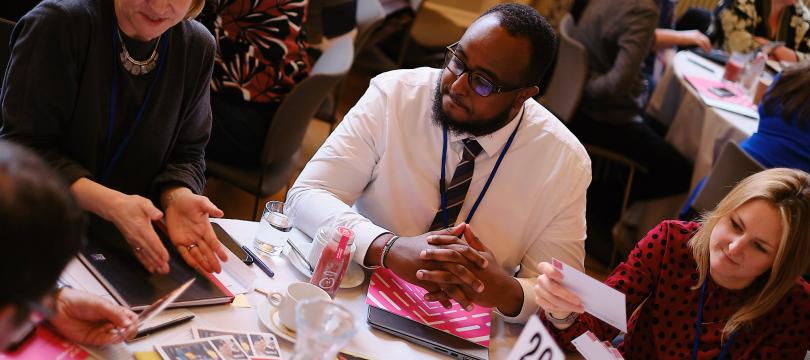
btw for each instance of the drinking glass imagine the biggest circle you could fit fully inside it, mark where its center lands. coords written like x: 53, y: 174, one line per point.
x: 274, y: 226
x: 502, y: 336
x: 734, y: 66
x: 323, y: 328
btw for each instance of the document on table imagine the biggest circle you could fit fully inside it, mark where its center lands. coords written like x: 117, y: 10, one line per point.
x: 237, y: 277
x: 600, y: 300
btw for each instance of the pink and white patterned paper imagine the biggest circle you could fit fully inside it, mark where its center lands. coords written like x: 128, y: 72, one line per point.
x: 389, y: 292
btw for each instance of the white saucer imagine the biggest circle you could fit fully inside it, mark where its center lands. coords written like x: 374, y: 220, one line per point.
x: 354, y: 274
x: 268, y: 316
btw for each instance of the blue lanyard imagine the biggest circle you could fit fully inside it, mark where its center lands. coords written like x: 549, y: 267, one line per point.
x: 443, y: 183
x: 699, y: 321
x: 119, y: 150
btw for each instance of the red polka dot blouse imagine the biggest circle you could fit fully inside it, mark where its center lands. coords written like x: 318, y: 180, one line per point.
x: 658, y: 278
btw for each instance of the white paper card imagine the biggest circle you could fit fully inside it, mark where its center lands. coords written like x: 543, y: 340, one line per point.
x: 592, y: 348
x: 600, y: 300
x: 535, y: 342
x: 237, y: 277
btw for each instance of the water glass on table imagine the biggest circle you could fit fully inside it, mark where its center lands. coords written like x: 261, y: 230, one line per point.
x: 274, y: 228
x: 323, y: 327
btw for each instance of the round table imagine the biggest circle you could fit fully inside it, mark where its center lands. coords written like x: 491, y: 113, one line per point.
x: 367, y: 341
x: 697, y: 130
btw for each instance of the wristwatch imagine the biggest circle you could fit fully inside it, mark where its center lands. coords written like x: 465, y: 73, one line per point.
x: 568, y: 320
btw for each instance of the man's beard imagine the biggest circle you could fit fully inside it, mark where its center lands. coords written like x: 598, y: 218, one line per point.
x: 473, y: 127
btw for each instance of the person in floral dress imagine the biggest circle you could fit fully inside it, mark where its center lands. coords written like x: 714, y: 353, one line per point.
x: 261, y: 54
x: 748, y: 24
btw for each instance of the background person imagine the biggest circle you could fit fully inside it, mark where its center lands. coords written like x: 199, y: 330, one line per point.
x: 749, y: 24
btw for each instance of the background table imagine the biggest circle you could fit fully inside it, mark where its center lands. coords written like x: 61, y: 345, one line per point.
x: 369, y: 342
x: 697, y: 130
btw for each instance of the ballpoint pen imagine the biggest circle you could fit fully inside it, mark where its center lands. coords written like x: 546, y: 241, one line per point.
x: 151, y: 330
x: 258, y: 261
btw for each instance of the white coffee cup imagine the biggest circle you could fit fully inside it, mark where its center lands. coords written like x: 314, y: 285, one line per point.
x: 286, y: 301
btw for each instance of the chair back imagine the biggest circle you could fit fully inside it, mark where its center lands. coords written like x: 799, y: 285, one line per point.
x: 570, y: 74
x: 370, y: 15
x: 290, y: 122
x: 733, y: 165
x: 6, y: 27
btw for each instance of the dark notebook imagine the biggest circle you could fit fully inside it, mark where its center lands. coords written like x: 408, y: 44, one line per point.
x: 112, y: 262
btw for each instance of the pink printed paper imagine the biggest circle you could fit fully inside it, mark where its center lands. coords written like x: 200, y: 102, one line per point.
x: 735, y: 100
x: 46, y: 345
x: 389, y: 292
x: 703, y: 87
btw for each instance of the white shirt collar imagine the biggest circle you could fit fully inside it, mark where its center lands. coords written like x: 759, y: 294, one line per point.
x: 494, y: 142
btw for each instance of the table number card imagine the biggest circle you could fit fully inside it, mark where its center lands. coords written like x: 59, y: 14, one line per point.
x: 535, y: 343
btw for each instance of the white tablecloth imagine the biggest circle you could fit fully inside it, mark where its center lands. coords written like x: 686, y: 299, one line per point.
x: 695, y: 129
x: 372, y: 343
x: 369, y: 342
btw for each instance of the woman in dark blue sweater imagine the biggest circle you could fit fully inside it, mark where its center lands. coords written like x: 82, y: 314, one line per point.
x: 783, y: 136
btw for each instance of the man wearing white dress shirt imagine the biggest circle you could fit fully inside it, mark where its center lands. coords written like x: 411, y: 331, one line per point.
x: 381, y: 170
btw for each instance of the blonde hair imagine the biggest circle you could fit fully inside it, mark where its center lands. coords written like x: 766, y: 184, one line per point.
x: 195, y: 9
x: 788, y: 190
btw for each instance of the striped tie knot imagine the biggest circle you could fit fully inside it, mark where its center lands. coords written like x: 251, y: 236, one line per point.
x: 457, y: 189
x: 472, y: 146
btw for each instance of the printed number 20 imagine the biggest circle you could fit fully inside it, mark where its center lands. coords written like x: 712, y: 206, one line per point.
x: 543, y: 355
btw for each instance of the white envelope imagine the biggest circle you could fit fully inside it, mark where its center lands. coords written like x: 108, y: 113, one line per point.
x: 600, y: 300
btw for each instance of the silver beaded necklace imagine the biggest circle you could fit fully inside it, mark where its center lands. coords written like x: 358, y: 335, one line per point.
x: 136, y: 67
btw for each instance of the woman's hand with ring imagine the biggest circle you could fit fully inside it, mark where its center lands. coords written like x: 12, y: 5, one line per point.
x: 190, y: 230
x: 133, y: 216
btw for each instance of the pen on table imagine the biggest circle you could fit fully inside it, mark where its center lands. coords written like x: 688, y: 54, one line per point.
x: 701, y: 65
x: 258, y: 261
x: 151, y: 330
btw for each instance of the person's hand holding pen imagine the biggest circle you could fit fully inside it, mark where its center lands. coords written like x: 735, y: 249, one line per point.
x: 497, y: 287
x: 90, y: 320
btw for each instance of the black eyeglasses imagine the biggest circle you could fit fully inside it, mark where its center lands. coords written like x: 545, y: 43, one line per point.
x: 477, y: 81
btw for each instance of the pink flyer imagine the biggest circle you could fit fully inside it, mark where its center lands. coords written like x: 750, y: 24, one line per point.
x: 388, y: 292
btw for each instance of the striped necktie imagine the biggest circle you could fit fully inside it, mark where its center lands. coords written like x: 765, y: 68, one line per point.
x: 457, y: 189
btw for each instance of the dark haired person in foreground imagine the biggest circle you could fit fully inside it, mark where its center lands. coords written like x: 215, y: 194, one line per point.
x: 40, y: 220
x: 425, y: 149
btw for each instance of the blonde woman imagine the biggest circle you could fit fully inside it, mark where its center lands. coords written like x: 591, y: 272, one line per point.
x: 727, y: 287
x: 114, y: 94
